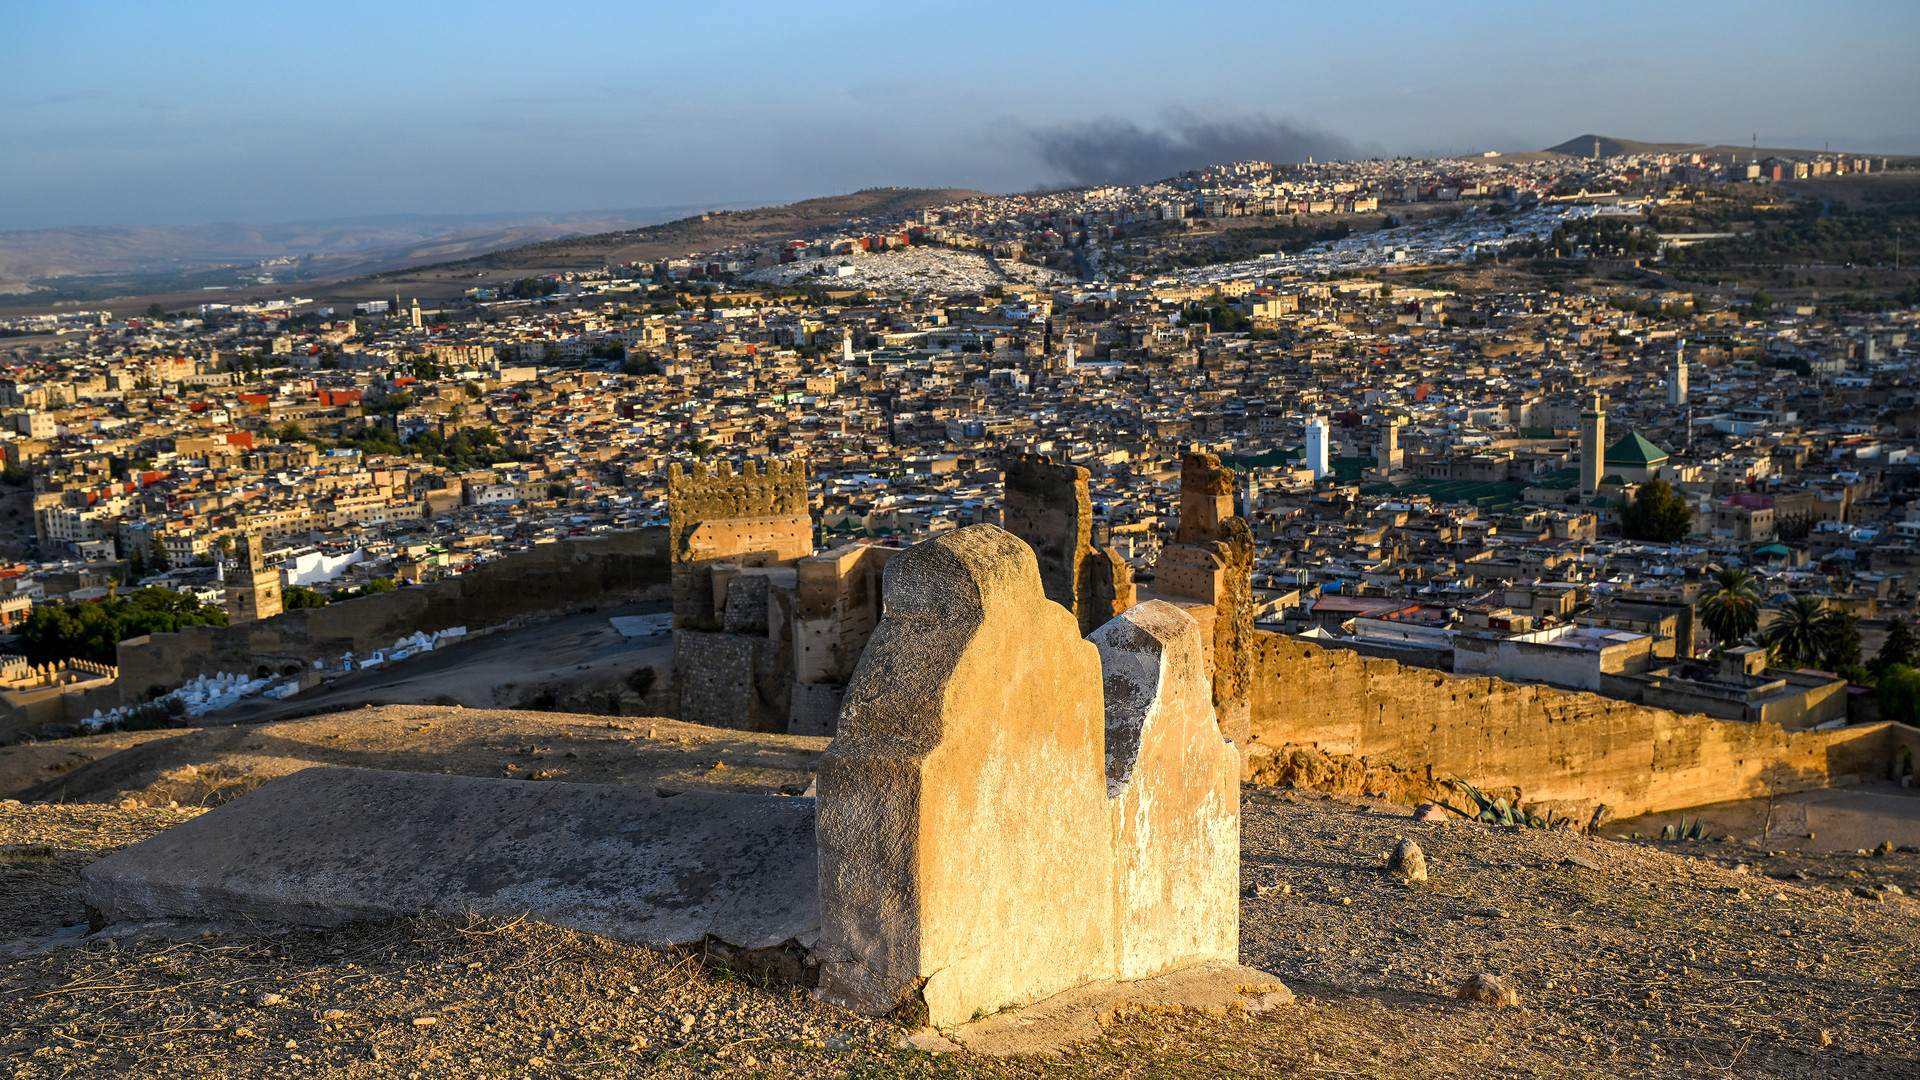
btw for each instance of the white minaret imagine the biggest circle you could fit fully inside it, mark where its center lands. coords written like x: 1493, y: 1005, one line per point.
x: 846, y: 349
x: 1677, y: 377
x: 1317, y: 446
x: 413, y: 315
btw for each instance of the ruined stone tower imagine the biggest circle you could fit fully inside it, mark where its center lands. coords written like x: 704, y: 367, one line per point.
x: 1208, y: 572
x: 766, y: 631
x: 253, y: 592
x: 1047, y: 506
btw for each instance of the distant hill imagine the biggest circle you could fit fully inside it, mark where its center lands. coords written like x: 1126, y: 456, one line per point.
x: 1582, y: 146
x: 101, y: 260
x: 720, y: 229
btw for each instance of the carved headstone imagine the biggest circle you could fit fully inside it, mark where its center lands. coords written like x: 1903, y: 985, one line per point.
x: 1173, y: 784
x: 965, y: 841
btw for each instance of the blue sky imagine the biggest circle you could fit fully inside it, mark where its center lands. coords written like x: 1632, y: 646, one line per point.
x: 159, y: 113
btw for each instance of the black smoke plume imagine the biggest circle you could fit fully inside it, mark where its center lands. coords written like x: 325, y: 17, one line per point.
x: 1122, y: 152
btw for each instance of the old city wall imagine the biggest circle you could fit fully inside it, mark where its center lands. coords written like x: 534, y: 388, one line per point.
x: 1047, y: 505
x: 617, y: 568
x: 1332, y: 718
x: 753, y: 516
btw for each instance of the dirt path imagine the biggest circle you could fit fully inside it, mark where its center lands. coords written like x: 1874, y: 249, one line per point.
x: 577, y: 663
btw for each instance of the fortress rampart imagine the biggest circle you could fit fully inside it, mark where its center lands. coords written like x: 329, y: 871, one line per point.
x: 1331, y: 718
x: 616, y: 568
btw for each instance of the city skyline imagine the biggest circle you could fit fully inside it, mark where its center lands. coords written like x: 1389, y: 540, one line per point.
x: 237, y: 114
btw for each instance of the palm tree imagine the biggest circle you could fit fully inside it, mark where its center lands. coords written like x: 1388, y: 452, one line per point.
x: 1799, y: 635
x: 1732, y: 610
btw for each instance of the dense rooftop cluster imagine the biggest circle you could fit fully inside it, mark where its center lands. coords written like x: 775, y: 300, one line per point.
x: 1416, y: 443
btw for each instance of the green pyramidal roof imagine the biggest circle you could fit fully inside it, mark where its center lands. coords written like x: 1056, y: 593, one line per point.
x: 1635, y: 450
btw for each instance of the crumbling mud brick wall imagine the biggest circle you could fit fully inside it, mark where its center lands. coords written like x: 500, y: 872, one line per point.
x: 1333, y: 718
x: 1048, y: 506
x: 752, y: 517
x: 835, y: 611
x: 1208, y: 571
x: 608, y: 570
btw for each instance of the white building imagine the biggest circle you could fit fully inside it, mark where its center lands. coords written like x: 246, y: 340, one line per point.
x: 1318, y: 438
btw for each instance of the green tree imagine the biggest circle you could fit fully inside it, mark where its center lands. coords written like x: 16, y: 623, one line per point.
x: 13, y: 474
x: 1840, y: 641
x: 1898, y: 694
x: 1731, y: 611
x: 301, y: 597
x: 1657, y: 513
x: 1901, y: 648
x: 1798, y: 637
x: 57, y: 632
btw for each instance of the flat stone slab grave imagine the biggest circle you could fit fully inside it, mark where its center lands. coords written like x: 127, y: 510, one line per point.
x: 328, y: 846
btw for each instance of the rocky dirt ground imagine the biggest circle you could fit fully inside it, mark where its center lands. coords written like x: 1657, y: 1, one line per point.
x: 209, y: 766
x: 1631, y: 959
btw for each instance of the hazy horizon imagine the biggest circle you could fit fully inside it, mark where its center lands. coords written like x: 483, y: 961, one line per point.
x: 248, y: 115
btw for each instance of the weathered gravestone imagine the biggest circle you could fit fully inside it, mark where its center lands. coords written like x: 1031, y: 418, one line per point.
x: 994, y: 828
x: 1174, y: 788
x: 965, y: 848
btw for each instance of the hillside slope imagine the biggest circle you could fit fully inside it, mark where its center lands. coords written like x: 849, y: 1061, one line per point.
x: 1630, y: 960
x: 707, y: 232
x: 1582, y: 146
x: 1629, y: 957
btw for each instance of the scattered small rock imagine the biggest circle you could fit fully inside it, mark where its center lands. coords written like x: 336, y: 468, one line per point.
x: 1865, y: 893
x: 1426, y: 812
x: 269, y: 1000
x: 1885, y: 848
x: 1488, y: 990
x: 1825, y: 1038
x: 1408, y: 862
x: 334, y: 1014
x: 425, y: 1021
x: 1575, y: 860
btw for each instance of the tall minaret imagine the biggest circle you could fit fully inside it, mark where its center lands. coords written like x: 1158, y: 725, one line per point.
x: 254, y: 592
x: 1317, y: 440
x: 1391, y: 457
x: 1593, y: 446
x: 846, y: 349
x: 414, y: 314
x: 1677, y: 377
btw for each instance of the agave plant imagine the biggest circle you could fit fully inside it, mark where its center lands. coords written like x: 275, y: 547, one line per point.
x: 1684, y: 831
x: 1497, y: 811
